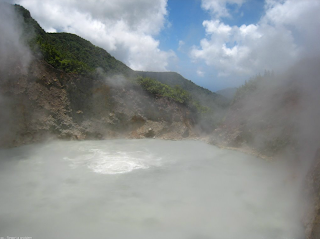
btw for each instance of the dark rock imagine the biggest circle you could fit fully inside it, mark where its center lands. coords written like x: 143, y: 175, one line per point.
x: 150, y: 133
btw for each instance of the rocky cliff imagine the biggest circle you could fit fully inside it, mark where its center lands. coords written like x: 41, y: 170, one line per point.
x: 68, y: 88
x: 45, y: 101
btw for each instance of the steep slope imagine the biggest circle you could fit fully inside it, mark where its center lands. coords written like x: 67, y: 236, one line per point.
x: 69, y: 52
x: 72, y: 89
x: 49, y: 102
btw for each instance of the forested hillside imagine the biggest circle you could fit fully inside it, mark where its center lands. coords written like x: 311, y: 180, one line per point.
x: 204, y: 96
x: 70, y: 52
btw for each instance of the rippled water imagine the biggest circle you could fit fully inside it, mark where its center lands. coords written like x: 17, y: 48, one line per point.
x: 144, y: 189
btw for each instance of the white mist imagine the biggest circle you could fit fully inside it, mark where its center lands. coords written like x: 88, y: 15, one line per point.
x: 145, y: 189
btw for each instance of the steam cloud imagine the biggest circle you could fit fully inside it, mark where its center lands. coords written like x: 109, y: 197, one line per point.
x: 15, y: 57
x: 13, y: 50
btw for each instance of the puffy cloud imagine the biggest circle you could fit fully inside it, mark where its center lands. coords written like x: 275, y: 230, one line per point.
x: 125, y: 28
x: 288, y: 31
x: 301, y: 18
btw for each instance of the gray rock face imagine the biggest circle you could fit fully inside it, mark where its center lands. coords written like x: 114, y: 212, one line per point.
x: 45, y: 102
x: 313, y: 224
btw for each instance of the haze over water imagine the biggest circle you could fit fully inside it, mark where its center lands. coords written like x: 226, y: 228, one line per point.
x: 145, y: 189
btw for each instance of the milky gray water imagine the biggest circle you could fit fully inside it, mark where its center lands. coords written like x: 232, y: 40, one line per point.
x: 144, y: 189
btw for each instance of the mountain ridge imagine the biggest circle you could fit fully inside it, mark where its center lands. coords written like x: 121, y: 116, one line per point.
x: 68, y: 91
x: 74, y: 54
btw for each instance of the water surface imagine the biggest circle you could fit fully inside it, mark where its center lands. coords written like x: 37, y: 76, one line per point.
x: 144, y: 189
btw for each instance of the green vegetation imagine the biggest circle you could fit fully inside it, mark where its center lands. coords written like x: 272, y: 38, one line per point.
x: 175, y: 93
x: 71, y: 53
x: 204, y: 96
x: 174, y: 79
x: 158, y: 89
x: 68, y: 52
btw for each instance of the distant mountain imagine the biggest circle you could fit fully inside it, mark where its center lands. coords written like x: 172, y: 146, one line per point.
x: 228, y: 92
x: 204, y: 96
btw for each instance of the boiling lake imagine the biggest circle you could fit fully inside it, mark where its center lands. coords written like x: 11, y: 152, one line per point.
x: 144, y: 189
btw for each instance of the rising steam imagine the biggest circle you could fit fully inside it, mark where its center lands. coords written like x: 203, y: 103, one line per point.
x: 13, y: 50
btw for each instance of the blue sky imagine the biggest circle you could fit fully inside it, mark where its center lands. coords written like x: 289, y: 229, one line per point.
x: 215, y: 43
x: 185, y: 18
x: 184, y: 30
x: 184, y: 22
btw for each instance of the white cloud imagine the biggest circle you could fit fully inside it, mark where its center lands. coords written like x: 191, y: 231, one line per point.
x: 219, y: 7
x: 288, y: 31
x: 125, y: 28
x: 200, y: 73
x: 180, y: 45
